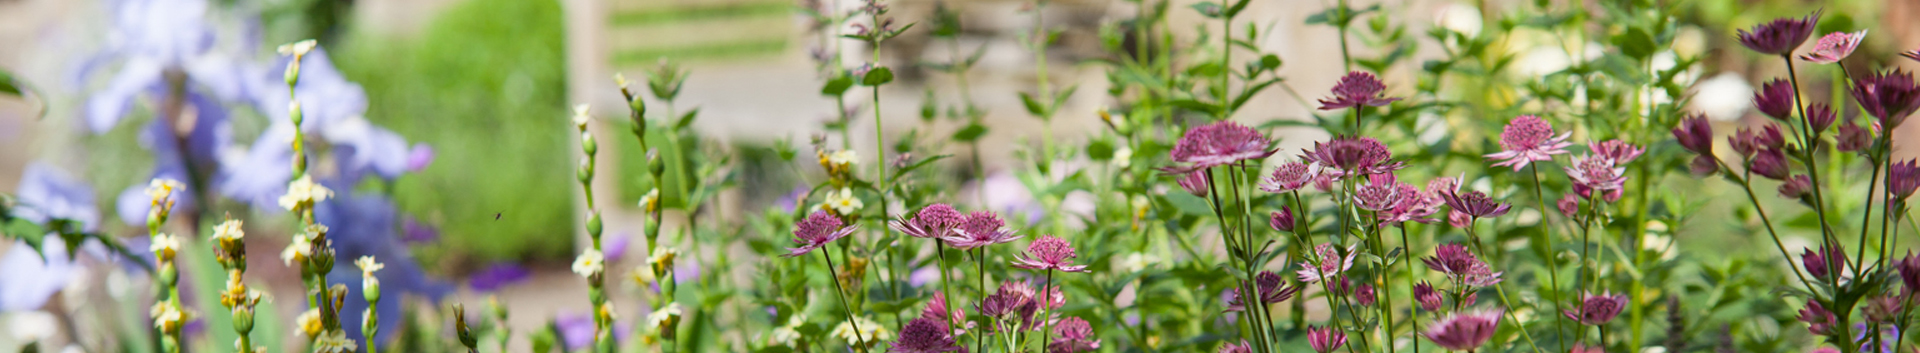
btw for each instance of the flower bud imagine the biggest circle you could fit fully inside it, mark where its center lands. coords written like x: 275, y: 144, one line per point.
x: 243, y: 319
x: 587, y: 144
x: 1282, y: 220
x: 585, y: 172
x: 594, y: 225
x: 654, y: 166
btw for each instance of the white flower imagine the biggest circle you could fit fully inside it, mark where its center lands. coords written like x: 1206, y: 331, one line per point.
x: 162, y: 189
x: 662, y: 259
x: 843, y: 202
x: 304, y: 192
x: 309, y: 322
x: 789, y: 335
x: 581, y: 116
x: 167, y: 317
x: 335, y: 341
x: 666, y: 317
x: 1122, y: 157
x: 298, y: 251
x: 297, y: 48
x: 229, y: 230
x: 651, y: 201
x: 870, y: 332
x: 844, y: 158
x: 589, y: 263
x: 164, y: 246
x: 368, y: 265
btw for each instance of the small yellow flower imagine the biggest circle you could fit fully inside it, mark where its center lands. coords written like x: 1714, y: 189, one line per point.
x: 161, y: 190
x: 229, y: 230
x: 843, y: 202
x: 844, y: 158
x: 581, y: 115
x: 168, y: 317
x: 870, y: 332
x: 298, y: 251
x: 662, y: 259
x: 368, y: 265
x: 165, y: 246
x: 666, y: 318
x: 304, y: 192
x: 309, y: 322
x: 620, y: 80
x: 589, y: 263
x: 650, y: 202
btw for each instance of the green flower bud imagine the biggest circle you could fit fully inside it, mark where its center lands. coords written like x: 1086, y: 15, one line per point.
x: 292, y: 74
x: 593, y: 225
x: 587, y: 144
x: 585, y: 172
x: 169, y: 275
x: 243, y: 319
x: 370, y: 322
x: 654, y: 166
x: 371, y: 291
x: 543, y: 342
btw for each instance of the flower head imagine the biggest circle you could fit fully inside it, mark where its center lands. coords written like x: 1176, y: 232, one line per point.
x: 1796, y: 186
x: 1464, y: 331
x: 1619, y: 151
x: 1282, y: 220
x: 817, y: 230
x: 1357, y: 89
x: 1771, y: 163
x: 1349, y: 155
x: 923, y: 335
x: 1695, y: 133
x: 1380, y: 193
x: 934, y: 221
x: 299, y: 250
x: 1475, y: 203
x: 1853, y: 138
x: 1822, y: 263
x: 1569, y: 205
x: 1325, y: 339
x: 1330, y: 266
x: 1428, y: 298
x: 1903, y: 178
x: 1909, y: 268
x: 1273, y: 288
x: 1072, y: 335
x: 1242, y: 347
x: 161, y: 190
x: 1598, y: 309
x: 1834, y: 46
x: 1749, y: 142
x: 590, y: 263
x: 1819, y: 320
x: 938, y: 311
x: 843, y: 202
x: 1289, y: 177
x: 1597, y: 172
x: 1194, y: 182
x: 1781, y: 36
x: 1775, y: 99
x: 1528, y: 139
x: 666, y: 318
x: 869, y: 332
x: 1460, y: 264
x: 229, y: 230
x: 1011, y: 298
x: 303, y: 192
x: 164, y: 246
x: 980, y: 228
x: 1218, y: 144
x: 1820, y: 116
x: 1889, y: 95
x: 1048, y: 253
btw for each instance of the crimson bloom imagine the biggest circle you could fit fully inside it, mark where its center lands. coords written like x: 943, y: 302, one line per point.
x: 1834, y: 46
x: 1903, y: 178
x: 1853, y: 138
x: 1597, y: 310
x: 1797, y: 186
x: 817, y: 230
x: 1464, y: 331
x: 1781, y: 36
x: 934, y: 221
x: 1010, y: 299
x: 1325, y: 339
x: 1380, y: 193
x: 1195, y: 182
x: 1428, y: 298
x: 1819, y: 320
x: 1460, y: 264
x: 1528, y: 139
x: 1218, y: 144
x: 923, y: 335
x: 1695, y: 133
x: 1475, y: 203
x: 1282, y: 220
x: 1771, y: 163
x: 1048, y: 253
x: 1824, y: 262
x: 1357, y: 89
x: 1820, y: 116
x: 1775, y: 99
x: 1889, y: 95
x: 1909, y: 271
x: 980, y: 228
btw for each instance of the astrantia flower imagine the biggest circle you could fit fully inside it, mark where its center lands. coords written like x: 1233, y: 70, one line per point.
x: 937, y: 310
x: 590, y: 263
x: 1903, y: 178
x: 1568, y: 205
x: 1834, y: 46
x: 1528, y: 139
x: 1349, y: 155
x: 923, y: 335
x: 1007, y: 300
x: 1771, y: 163
x: 1218, y: 144
x: 1775, y: 99
x: 1379, y: 193
x: 1619, y: 151
x: 1796, y: 186
x: 1824, y: 262
x: 1853, y: 138
x: 1819, y: 320
x: 1781, y: 36
x: 1325, y: 339
x: 1749, y: 142
x: 1598, y: 309
x: 980, y: 228
x: 1464, y: 331
x: 1330, y: 266
x: 1073, y: 335
x: 1282, y: 220
x: 1048, y: 253
x: 1415, y: 205
x: 1364, y: 294
x: 1889, y: 95
x: 1289, y: 177
x: 1475, y: 203
x: 1909, y: 271
x: 1194, y: 182
x: 1357, y: 89
x: 1695, y: 133
x: 1460, y: 264
x: 1428, y: 298
x: 1597, y: 173
x: 1242, y: 347
x: 1273, y: 288
x: 1820, y: 116
x: 934, y: 221
x: 817, y: 230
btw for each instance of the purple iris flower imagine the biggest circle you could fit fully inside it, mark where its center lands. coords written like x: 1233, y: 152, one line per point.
x: 496, y: 276
x: 576, y: 330
x: 153, y: 37
x: 45, y: 193
x: 415, y: 232
x: 365, y: 225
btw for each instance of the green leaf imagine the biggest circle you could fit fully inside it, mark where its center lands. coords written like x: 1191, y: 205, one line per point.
x: 1100, y: 150
x: 8, y: 85
x: 1208, y: 9
x: 1033, y: 106
x: 1635, y: 43
x: 878, y: 76
x: 837, y: 85
x: 686, y: 119
x: 972, y: 132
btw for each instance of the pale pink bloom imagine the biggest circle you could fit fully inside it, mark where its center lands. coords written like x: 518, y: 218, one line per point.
x: 1528, y: 139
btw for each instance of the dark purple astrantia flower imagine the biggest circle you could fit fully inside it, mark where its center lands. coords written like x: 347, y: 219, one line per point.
x: 1834, y: 46
x: 1598, y: 309
x: 1775, y: 98
x: 1282, y: 220
x: 1819, y: 320
x: 923, y: 335
x: 1218, y: 144
x: 1048, y: 253
x: 1073, y: 335
x: 1357, y: 89
x: 1749, y: 142
x: 1463, y: 331
x: 1325, y: 339
x: 1348, y: 155
x: 1909, y: 268
x: 1289, y: 177
x: 1273, y: 287
x: 1695, y: 133
x: 1781, y: 36
x: 1796, y: 186
x: 1010, y: 299
x: 1853, y: 138
x: 1460, y: 264
x: 934, y: 221
x: 1528, y: 139
x: 1428, y: 298
x: 1903, y: 178
x: 817, y: 230
x: 1824, y: 262
x: 1889, y: 95
x: 1475, y: 203
x: 980, y: 228
x: 1771, y: 163
x: 1820, y: 116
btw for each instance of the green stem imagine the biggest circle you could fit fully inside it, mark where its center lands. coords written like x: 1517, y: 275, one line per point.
x: 1553, y: 256
x: 858, y: 336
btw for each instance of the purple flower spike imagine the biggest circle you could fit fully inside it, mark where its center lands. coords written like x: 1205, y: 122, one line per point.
x: 1903, y: 178
x: 1195, y: 182
x: 1889, y: 95
x: 1781, y: 36
x: 1796, y: 186
x: 1853, y: 138
x: 1073, y: 335
x: 924, y: 335
x: 1775, y: 98
x: 1834, y: 46
x: 1771, y: 163
x: 1349, y: 155
x: 934, y: 221
x: 817, y: 230
x: 1695, y: 133
x: 1218, y: 144
x: 1597, y: 310
x: 1464, y: 331
x: 980, y: 228
x: 1819, y: 320
x: 1325, y: 339
x: 1820, y: 116
x: 1242, y: 347
x: 1048, y: 253
x: 1289, y: 177
x: 1427, y: 297
x: 1528, y: 139
x: 497, y: 276
x: 1282, y: 220
x: 1476, y: 204
x: 1357, y: 89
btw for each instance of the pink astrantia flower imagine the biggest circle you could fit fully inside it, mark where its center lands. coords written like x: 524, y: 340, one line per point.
x: 1909, y: 268
x: 934, y: 221
x: 1597, y: 172
x: 1380, y: 193
x: 1357, y: 89
x: 1528, y: 139
x: 1568, y: 205
x: 1348, y: 155
x: 1619, y: 151
x: 1464, y: 331
x: 1282, y: 220
x: 1820, y: 116
x: 1428, y: 298
x: 1853, y: 138
x: 1796, y: 186
x: 1048, y: 253
x: 817, y: 230
x: 1834, y: 46
x: 1695, y: 133
x: 1218, y: 144
x: 1242, y: 347
x: 1289, y: 177
x: 1195, y: 182
x: 1273, y: 288
x: 1583, y: 348
x: 1073, y: 335
x: 1325, y: 339
x: 937, y: 310
x: 1819, y: 320
x: 1596, y: 310
x: 1475, y: 203
x: 1903, y: 178
x: 1415, y: 205
x: 923, y: 335
x: 1010, y: 299
x: 1780, y: 36
x: 1330, y: 266
x: 1460, y: 264
x: 1459, y: 219
x: 1775, y: 99
x: 980, y: 228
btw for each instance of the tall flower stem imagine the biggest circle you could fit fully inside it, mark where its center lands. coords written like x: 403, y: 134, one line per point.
x: 845, y: 306
x: 1746, y: 182
x: 1046, y: 295
x: 1498, y: 288
x: 981, y: 260
x: 1406, y: 258
x: 946, y: 285
x: 1866, y: 215
x: 1553, y: 256
x: 1808, y: 146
